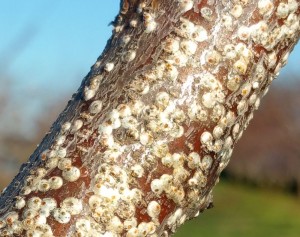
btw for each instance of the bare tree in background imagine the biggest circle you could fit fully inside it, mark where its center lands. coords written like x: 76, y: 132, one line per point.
x: 142, y: 143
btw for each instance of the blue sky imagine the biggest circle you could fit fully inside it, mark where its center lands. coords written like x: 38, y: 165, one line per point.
x: 43, y: 43
x: 52, y: 41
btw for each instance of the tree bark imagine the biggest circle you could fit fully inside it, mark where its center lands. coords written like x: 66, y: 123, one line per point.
x: 142, y: 143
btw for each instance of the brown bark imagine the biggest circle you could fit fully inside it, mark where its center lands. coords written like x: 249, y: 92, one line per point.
x: 142, y: 143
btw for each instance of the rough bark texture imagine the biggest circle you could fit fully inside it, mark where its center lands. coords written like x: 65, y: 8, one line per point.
x: 142, y: 143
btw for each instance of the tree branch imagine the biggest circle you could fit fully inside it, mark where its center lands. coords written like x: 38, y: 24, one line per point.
x: 143, y: 141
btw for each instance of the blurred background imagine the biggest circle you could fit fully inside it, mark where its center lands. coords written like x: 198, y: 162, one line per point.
x: 47, y: 47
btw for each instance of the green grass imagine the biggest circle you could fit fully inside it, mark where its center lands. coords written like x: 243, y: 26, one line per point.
x: 244, y: 211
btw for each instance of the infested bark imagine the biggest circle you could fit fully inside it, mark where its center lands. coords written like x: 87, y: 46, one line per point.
x: 142, y: 143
